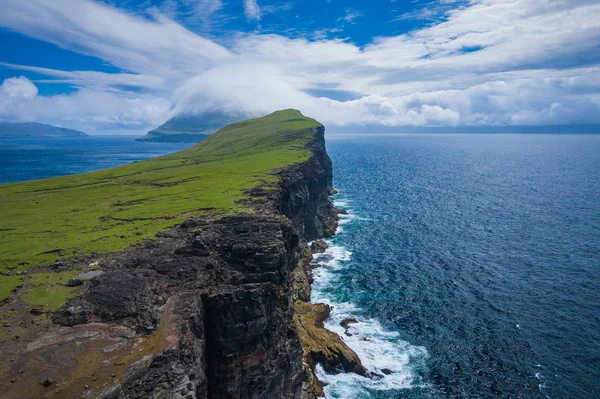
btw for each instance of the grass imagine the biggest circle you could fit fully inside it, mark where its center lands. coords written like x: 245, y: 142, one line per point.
x: 109, y: 210
x: 48, y: 292
x: 8, y: 285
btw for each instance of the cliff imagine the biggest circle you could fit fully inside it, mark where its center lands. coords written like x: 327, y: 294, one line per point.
x: 204, y: 309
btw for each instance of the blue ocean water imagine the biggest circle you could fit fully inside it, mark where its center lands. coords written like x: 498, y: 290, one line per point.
x: 28, y: 159
x: 472, y: 263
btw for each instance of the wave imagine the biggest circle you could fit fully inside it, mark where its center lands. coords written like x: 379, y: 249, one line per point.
x: 393, y: 364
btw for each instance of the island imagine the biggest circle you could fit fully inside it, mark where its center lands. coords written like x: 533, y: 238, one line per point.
x: 36, y: 130
x: 189, y: 128
x: 183, y: 276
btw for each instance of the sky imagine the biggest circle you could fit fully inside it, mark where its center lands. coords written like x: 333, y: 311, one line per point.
x: 130, y: 65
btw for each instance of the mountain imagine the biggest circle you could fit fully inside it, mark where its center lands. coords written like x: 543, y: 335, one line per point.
x: 189, y: 129
x: 32, y: 129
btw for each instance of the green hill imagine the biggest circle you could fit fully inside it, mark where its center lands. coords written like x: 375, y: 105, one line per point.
x: 189, y: 129
x: 58, y: 218
x: 16, y: 130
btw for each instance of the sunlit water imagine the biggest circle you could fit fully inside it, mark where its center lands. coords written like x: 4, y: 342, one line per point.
x: 472, y: 263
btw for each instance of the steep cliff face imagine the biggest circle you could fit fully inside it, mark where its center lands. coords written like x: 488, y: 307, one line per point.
x: 242, y: 341
x: 204, y: 311
x: 231, y: 315
x: 306, y: 188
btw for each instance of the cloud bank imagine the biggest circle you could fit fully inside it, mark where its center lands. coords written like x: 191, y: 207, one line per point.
x: 491, y: 62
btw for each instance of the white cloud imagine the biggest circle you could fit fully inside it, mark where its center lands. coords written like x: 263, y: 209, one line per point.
x: 198, y: 15
x: 350, y: 16
x: 156, y: 46
x: 492, y: 62
x: 18, y: 88
x: 252, y: 9
x: 19, y: 101
x: 15, y: 94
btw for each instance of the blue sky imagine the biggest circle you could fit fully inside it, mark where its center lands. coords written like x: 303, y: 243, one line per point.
x: 106, y: 66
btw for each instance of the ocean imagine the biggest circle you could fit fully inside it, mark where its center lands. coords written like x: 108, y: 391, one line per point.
x: 32, y: 158
x: 472, y: 262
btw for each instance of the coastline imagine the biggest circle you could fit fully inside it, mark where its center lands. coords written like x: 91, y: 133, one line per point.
x: 204, y: 308
x: 388, y: 362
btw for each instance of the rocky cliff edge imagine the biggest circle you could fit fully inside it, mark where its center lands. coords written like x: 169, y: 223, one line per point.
x: 213, y: 308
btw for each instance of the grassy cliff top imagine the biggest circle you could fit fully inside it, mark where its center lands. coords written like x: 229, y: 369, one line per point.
x: 45, y: 220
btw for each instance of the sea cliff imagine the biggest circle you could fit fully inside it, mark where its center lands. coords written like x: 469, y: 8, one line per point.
x: 213, y: 307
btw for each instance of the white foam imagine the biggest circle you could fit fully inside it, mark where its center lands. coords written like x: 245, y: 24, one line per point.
x: 340, y: 203
x: 377, y: 348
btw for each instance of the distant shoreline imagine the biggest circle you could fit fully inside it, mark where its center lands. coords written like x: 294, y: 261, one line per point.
x: 37, y: 130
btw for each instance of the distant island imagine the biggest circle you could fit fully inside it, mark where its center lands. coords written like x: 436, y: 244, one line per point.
x: 40, y: 130
x: 188, y: 128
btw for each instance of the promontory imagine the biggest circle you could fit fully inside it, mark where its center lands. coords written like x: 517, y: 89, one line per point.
x: 184, y: 276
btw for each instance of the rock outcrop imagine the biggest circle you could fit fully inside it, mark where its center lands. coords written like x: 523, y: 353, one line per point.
x: 321, y: 345
x: 207, y: 310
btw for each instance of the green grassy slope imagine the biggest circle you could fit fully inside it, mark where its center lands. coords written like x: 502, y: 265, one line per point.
x: 108, y: 210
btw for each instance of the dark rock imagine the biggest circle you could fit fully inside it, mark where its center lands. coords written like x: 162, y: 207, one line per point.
x: 318, y: 246
x: 256, y: 316
x: 304, y: 194
x: 74, y: 312
x: 301, y: 283
x: 122, y: 297
x: 74, y: 282
x: 346, y: 322
x: 387, y: 371
x: 374, y: 376
x: 46, y: 382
